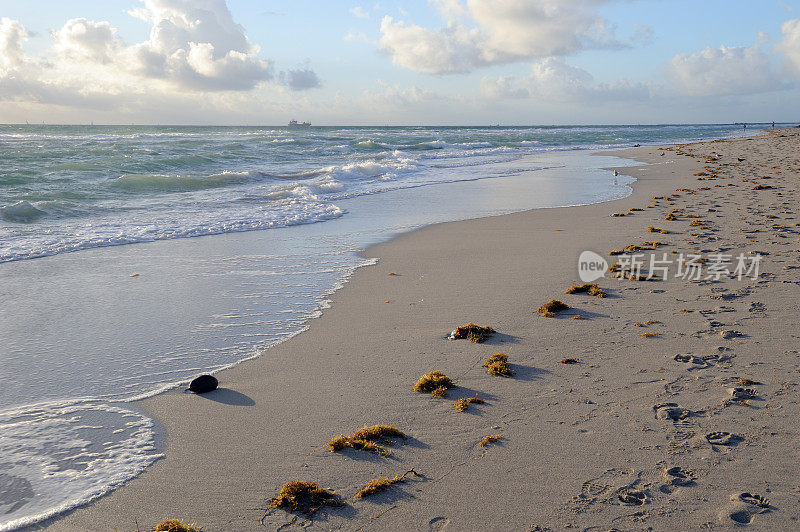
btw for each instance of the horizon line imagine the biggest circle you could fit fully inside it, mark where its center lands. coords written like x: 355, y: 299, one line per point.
x: 655, y: 124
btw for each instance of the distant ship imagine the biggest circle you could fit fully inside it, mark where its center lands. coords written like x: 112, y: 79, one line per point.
x: 295, y: 123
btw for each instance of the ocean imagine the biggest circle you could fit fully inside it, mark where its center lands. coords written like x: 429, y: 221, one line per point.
x: 238, y: 236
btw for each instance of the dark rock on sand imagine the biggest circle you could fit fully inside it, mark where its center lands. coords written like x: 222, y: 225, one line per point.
x: 203, y: 384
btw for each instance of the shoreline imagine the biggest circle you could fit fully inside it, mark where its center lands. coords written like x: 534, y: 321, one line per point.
x: 157, y: 259
x: 359, y: 305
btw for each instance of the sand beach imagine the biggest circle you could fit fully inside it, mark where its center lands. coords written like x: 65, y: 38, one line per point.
x: 679, y: 411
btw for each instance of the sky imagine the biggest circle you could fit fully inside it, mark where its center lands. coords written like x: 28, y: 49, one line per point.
x: 434, y: 62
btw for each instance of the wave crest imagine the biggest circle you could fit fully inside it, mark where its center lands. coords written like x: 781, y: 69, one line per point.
x: 179, y: 183
x: 21, y: 211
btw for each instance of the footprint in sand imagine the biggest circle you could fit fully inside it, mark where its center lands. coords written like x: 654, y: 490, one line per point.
x: 680, y: 437
x: 723, y: 438
x: 610, y: 487
x: 726, y: 295
x: 675, y: 387
x: 438, y: 523
x: 725, y: 334
x: 743, y: 507
x: 751, y: 498
x: 694, y: 362
x: 671, y: 412
x: 729, y: 334
x: 629, y: 497
x: 742, y: 394
x: 678, y: 476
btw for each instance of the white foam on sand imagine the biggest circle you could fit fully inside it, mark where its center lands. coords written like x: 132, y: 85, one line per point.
x: 57, y: 456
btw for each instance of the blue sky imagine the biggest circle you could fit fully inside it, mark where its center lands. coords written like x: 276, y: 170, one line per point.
x: 432, y: 62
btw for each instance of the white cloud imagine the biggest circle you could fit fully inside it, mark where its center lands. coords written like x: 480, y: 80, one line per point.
x: 449, y: 9
x: 503, y: 87
x: 196, y: 45
x: 353, y: 36
x: 724, y: 71
x: 552, y: 80
x: 359, y: 12
x: 81, y: 39
x: 790, y: 45
x: 197, y: 65
x: 193, y: 46
x: 447, y: 50
x: 12, y: 36
x: 536, y: 28
x: 485, y: 32
x: 397, y: 96
x: 301, y: 79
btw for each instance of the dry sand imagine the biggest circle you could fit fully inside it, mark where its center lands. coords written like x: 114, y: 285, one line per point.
x: 584, y: 445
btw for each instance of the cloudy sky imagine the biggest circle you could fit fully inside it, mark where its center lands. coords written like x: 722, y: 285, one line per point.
x: 265, y: 62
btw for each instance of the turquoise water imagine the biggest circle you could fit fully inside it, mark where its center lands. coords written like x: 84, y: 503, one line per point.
x: 66, y: 188
x: 82, y: 340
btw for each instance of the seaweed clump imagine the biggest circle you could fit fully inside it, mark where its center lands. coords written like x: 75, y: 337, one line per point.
x: 343, y: 442
x: 440, y: 392
x: 587, y: 288
x: 472, y: 332
x: 652, y: 229
x: 377, y: 432
x: 303, y: 496
x: 630, y: 248
x: 377, y: 485
x: 463, y: 404
x: 432, y: 382
x: 176, y: 525
x: 490, y: 439
x: 747, y: 382
x: 364, y: 439
x: 497, y: 364
x: 551, y: 308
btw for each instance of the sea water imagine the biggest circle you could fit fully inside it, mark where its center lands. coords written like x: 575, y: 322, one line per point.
x: 82, y: 208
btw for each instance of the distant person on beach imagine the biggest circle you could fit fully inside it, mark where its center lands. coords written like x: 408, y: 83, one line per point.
x: 773, y: 125
x: 744, y: 127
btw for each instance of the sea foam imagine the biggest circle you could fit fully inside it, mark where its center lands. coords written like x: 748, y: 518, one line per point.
x: 56, y: 456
